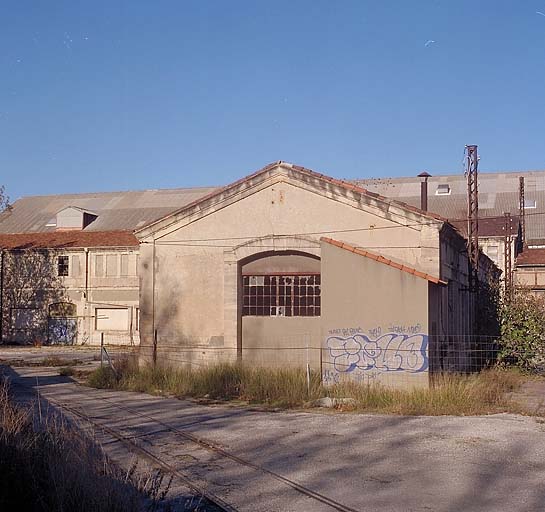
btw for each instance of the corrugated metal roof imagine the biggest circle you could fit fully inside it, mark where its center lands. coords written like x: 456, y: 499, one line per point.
x: 116, y: 210
x: 498, y: 194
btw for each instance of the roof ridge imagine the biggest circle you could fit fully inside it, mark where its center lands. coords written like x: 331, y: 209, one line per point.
x: 286, y: 165
x: 95, y: 193
x: 381, y: 259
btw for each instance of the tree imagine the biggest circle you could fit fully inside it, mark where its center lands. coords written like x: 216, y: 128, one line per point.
x: 30, y: 286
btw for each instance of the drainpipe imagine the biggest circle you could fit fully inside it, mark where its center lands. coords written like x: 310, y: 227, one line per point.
x: 424, y: 190
x: 86, y: 250
x: 153, y: 328
x: 2, y: 254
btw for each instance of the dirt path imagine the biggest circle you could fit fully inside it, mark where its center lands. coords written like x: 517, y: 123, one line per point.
x: 299, y: 461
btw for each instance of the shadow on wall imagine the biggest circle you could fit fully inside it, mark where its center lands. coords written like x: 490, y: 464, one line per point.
x: 31, y: 285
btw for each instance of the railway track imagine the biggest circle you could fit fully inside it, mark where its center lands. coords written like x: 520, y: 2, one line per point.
x: 202, y: 443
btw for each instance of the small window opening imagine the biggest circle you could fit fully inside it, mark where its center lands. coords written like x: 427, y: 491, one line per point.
x: 281, y: 295
x: 443, y: 189
x: 530, y: 203
x: 62, y: 266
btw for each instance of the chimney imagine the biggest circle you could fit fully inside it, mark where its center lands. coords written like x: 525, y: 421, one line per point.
x: 424, y: 190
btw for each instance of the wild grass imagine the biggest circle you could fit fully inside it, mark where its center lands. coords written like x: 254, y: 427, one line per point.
x: 479, y: 393
x: 52, y: 466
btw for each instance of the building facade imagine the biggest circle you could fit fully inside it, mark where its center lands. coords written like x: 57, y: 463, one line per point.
x: 69, y: 265
x: 250, y: 273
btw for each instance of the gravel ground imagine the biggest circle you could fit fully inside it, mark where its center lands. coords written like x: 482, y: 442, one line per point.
x: 346, y: 461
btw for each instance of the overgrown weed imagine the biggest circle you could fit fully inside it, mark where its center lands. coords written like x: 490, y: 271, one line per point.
x: 52, y: 466
x: 455, y: 394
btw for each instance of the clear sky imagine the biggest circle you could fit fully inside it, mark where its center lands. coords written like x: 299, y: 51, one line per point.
x: 131, y: 94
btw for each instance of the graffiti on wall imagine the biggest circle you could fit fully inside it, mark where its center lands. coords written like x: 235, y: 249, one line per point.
x: 402, y: 349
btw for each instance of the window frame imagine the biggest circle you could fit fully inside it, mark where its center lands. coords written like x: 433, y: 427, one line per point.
x: 281, y: 295
x: 65, y: 266
x: 441, y: 186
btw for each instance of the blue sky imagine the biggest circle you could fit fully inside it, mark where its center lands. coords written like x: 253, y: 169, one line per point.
x: 122, y: 95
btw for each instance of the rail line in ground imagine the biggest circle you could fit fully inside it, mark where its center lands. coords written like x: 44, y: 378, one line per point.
x: 203, y: 444
x: 215, y: 500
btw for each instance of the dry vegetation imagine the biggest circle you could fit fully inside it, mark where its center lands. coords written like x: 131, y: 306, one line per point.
x: 478, y: 393
x: 50, y: 466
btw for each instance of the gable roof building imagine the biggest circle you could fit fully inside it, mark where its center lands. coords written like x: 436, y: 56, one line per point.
x: 239, y: 274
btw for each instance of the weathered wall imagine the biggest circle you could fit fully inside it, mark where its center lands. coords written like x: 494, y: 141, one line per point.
x: 531, y: 278
x: 31, y: 282
x: 281, y: 341
x: 374, y: 321
x: 197, y: 258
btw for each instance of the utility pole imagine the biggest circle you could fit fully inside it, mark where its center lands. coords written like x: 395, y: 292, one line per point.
x: 508, y: 281
x: 472, y: 162
x: 522, y: 214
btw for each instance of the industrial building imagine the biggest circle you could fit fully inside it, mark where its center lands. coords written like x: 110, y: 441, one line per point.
x: 288, y: 267
x: 369, y: 280
x: 69, y: 265
x: 511, y: 215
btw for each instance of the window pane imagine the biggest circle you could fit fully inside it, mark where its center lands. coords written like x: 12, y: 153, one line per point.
x: 62, y: 266
x: 289, y: 295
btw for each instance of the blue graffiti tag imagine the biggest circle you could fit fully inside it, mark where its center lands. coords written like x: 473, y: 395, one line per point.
x: 392, y: 352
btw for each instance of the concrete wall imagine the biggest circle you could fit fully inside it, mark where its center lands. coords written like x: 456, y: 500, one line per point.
x: 374, y: 321
x: 31, y: 282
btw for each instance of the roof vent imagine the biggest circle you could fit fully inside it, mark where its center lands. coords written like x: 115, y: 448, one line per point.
x: 443, y: 189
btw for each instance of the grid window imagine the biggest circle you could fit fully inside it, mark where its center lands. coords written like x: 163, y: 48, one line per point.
x: 62, y: 266
x: 285, y: 295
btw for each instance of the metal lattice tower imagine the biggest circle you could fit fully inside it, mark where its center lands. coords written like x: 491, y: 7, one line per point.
x: 508, y: 272
x: 522, y: 215
x: 472, y: 162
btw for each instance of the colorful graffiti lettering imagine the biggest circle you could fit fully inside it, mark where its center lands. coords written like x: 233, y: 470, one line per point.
x: 392, y: 352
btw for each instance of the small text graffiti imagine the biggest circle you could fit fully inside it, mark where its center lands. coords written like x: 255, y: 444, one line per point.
x: 348, y: 331
x: 405, y: 329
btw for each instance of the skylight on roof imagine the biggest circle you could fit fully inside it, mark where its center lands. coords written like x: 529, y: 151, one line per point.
x: 443, y: 189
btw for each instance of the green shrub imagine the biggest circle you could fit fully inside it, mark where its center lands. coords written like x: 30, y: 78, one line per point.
x: 522, y: 341
x: 66, y: 371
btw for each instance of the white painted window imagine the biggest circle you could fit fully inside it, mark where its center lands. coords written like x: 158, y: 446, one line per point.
x: 112, y: 319
x: 99, y: 265
x: 111, y: 265
x: 75, y: 266
x: 530, y: 203
x: 124, y: 265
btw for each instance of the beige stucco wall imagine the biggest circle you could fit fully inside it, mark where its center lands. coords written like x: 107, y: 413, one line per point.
x: 190, y: 294
x: 281, y: 341
x: 374, y: 321
x: 81, y: 287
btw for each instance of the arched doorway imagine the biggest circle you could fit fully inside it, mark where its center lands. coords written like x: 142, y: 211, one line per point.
x: 62, y: 323
x: 280, y: 307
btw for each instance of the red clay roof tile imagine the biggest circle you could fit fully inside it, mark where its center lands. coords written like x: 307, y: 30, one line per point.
x: 67, y: 240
